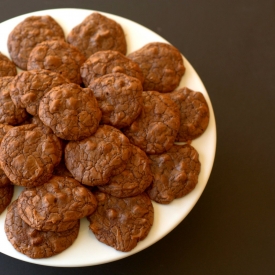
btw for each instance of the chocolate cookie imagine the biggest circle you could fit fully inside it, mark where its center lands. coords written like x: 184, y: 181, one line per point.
x: 28, y: 87
x: 61, y: 170
x: 122, y: 223
x: 155, y: 130
x: 28, y: 156
x: 4, y: 180
x: 194, y: 113
x: 175, y: 173
x: 161, y: 64
x: 133, y: 180
x: 9, y: 112
x: 30, y: 32
x: 56, y: 205
x: 7, y: 67
x: 106, y: 62
x: 97, y: 33
x: 33, y: 243
x: 119, y: 98
x: 57, y: 56
x: 94, y: 160
x: 70, y: 111
x: 6, y: 194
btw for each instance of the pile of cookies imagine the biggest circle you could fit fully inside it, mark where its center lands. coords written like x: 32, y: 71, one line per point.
x: 90, y: 132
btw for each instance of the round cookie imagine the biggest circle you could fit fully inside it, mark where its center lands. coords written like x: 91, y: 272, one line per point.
x: 194, y: 113
x: 175, y: 173
x: 33, y: 243
x: 155, y: 130
x: 133, y: 180
x: 30, y: 32
x: 9, y: 112
x: 6, y: 194
x: 70, y: 111
x: 94, y: 160
x: 122, y: 223
x: 161, y: 64
x: 56, y: 205
x: 57, y: 56
x: 97, y: 33
x: 28, y: 156
x: 119, y: 97
x: 4, y: 180
x: 28, y: 87
x: 106, y: 62
x: 7, y: 67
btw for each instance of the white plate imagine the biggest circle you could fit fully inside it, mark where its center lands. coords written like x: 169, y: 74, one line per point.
x: 86, y: 250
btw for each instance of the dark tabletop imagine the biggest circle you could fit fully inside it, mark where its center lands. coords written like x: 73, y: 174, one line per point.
x: 231, y: 44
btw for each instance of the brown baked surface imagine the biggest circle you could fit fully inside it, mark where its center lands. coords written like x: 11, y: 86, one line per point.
x: 33, y: 243
x: 194, y: 113
x: 9, y: 112
x: 56, y: 205
x: 133, y: 180
x: 70, y: 111
x: 94, y: 160
x: 28, y: 156
x: 161, y: 64
x: 28, y: 87
x: 155, y: 130
x: 7, y: 67
x: 106, y: 62
x: 119, y: 97
x: 57, y: 56
x: 6, y: 194
x: 30, y: 32
x: 97, y: 33
x: 122, y: 223
x: 175, y: 173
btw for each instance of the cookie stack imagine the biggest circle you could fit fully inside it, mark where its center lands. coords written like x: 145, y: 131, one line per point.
x: 91, y: 132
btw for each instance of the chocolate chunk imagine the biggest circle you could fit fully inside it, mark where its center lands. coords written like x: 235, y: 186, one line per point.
x: 9, y: 112
x: 122, y: 223
x: 33, y: 243
x: 57, y: 56
x: 28, y: 156
x: 56, y: 205
x: 7, y: 67
x: 194, y: 113
x: 161, y: 64
x: 94, y: 160
x: 6, y: 194
x: 119, y: 97
x: 175, y: 173
x: 97, y: 33
x: 106, y: 62
x: 70, y: 111
x: 30, y: 32
x: 155, y: 130
x: 133, y: 180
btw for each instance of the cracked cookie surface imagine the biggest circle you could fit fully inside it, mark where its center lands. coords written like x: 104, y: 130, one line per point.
x: 70, y: 111
x: 194, y: 113
x: 94, y: 160
x: 33, y: 243
x: 28, y: 156
x: 106, y: 62
x: 56, y: 205
x: 175, y: 173
x: 122, y: 223
x: 6, y: 194
x: 97, y: 33
x: 119, y: 98
x: 161, y: 64
x: 7, y: 67
x: 156, y: 128
x: 57, y: 56
x: 30, y: 32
